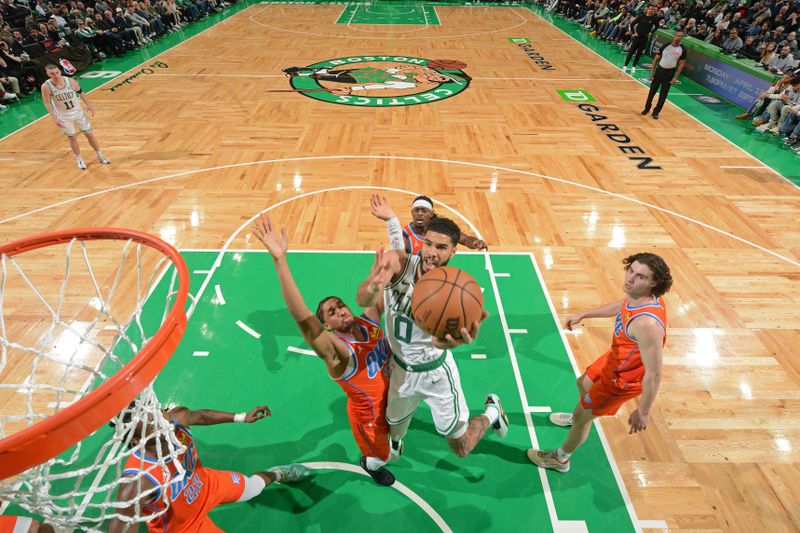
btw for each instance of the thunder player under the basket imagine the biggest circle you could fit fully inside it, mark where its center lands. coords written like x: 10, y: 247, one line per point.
x: 62, y: 98
x: 424, y: 368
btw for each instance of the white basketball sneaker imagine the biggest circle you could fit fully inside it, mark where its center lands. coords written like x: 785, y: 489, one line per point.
x: 500, y: 427
x: 81, y: 163
x: 548, y: 459
x: 561, y: 419
x: 103, y: 159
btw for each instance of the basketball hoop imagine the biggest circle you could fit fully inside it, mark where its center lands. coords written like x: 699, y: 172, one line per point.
x: 73, y: 343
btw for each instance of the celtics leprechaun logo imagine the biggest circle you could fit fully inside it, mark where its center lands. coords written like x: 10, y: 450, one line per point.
x: 379, y: 81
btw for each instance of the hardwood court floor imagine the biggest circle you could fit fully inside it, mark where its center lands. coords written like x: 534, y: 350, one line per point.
x: 528, y: 169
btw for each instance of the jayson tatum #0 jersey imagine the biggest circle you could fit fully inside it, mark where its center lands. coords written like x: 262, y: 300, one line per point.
x: 409, y: 342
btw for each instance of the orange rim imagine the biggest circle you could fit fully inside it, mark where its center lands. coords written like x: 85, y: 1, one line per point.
x: 55, y: 434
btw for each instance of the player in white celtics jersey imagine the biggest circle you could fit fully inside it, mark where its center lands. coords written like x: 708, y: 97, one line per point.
x: 424, y: 368
x: 62, y: 98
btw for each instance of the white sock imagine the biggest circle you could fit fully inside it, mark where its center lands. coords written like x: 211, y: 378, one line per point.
x: 561, y: 455
x: 373, y: 463
x: 492, y: 412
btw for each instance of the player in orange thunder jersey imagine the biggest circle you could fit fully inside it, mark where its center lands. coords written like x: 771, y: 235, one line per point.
x: 187, y: 498
x: 354, y: 350
x: 631, y: 368
x: 411, y: 237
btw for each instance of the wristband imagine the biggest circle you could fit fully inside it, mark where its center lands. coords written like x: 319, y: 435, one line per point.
x: 239, y: 417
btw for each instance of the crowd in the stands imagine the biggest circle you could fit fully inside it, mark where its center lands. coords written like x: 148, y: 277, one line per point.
x: 32, y: 29
x: 763, y: 31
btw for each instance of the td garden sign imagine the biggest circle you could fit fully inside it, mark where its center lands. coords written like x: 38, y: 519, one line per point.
x: 379, y: 81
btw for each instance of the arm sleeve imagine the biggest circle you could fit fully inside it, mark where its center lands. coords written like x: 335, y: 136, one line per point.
x: 395, y: 234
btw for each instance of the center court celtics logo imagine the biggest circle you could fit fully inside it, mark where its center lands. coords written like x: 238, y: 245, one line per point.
x: 379, y: 81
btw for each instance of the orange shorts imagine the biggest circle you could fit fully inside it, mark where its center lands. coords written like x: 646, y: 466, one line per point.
x: 371, y: 434
x: 605, y: 397
x: 218, y: 487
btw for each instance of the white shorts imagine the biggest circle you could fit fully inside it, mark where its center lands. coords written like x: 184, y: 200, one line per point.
x: 74, y: 122
x: 439, y: 388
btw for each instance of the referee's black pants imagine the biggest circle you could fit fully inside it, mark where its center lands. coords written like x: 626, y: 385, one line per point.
x: 660, y: 83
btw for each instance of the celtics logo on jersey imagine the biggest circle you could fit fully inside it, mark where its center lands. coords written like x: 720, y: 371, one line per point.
x: 379, y: 81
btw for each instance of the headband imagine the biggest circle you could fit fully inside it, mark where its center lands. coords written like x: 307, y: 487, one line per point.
x: 422, y: 203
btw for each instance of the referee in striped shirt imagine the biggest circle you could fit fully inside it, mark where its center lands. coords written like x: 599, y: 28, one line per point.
x: 668, y: 65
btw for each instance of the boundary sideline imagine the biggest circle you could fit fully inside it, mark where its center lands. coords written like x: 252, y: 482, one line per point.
x: 706, y: 126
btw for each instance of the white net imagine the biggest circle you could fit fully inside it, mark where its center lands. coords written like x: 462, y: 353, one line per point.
x: 71, y: 316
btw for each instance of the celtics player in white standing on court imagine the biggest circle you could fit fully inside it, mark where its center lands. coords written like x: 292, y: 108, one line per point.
x: 62, y: 98
x: 423, y: 367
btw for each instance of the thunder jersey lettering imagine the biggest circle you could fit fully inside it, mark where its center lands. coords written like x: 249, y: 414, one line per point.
x: 413, y: 239
x: 624, y: 364
x: 184, y: 493
x: 409, y: 342
x: 65, y: 100
x: 366, y: 379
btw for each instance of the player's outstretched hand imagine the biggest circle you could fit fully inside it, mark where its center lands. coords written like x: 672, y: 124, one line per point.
x: 467, y: 336
x: 480, y: 245
x: 275, y: 241
x: 381, y: 272
x: 262, y: 411
x: 572, y: 320
x: 380, y: 208
x: 637, y: 421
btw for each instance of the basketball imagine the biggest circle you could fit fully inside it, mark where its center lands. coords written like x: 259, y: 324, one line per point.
x: 445, y: 300
x: 447, y: 64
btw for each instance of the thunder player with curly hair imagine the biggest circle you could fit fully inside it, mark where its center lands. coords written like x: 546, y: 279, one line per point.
x: 629, y: 369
